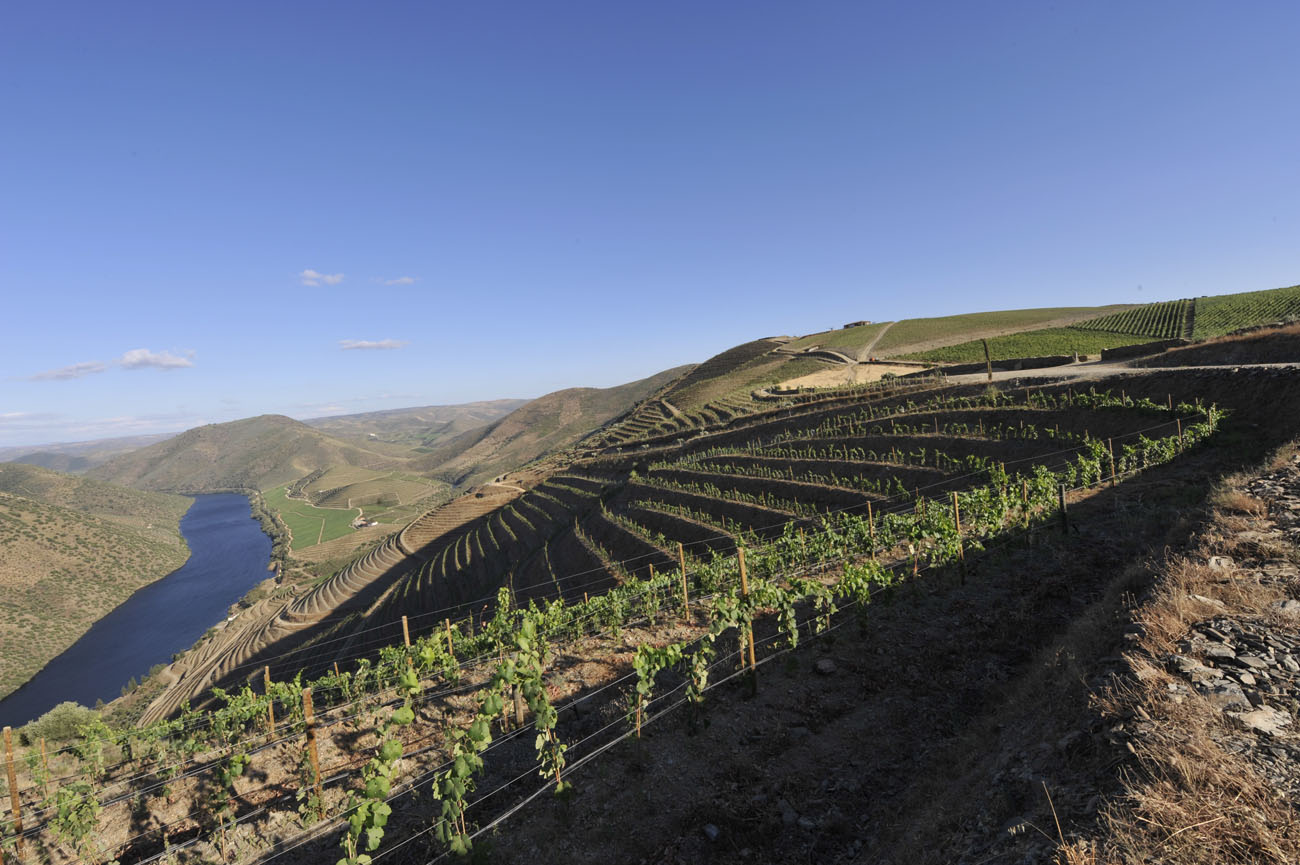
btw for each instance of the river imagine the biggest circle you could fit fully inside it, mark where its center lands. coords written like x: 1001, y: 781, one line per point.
x: 228, y: 556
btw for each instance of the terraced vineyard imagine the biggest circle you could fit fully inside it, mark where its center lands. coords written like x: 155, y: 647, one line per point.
x: 452, y: 630
x: 1033, y: 343
x: 1201, y: 318
x: 1224, y: 313
x: 1157, y: 320
x: 919, y: 334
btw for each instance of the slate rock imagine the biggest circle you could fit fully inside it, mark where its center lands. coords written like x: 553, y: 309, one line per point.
x: 1219, y: 652
x: 1224, y: 695
x: 1265, y: 720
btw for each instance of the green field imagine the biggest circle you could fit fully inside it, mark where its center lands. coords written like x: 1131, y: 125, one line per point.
x: 355, y: 487
x: 1034, y: 343
x: 1225, y: 313
x: 913, y: 331
x: 309, y: 525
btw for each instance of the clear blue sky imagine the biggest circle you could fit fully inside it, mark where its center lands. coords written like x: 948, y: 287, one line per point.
x: 202, y: 205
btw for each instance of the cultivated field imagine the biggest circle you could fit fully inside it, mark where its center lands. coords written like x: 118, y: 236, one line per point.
x: 309, y: 524
x: 922, y: 334
x: 1034, y: 343
x: 1227, y: 312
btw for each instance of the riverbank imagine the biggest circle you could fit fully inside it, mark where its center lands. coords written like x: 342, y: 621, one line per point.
x: 71, y: 550
x: 229, y: 557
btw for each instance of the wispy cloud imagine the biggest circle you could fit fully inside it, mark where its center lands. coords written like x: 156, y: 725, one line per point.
x: 401, y: 280
x: 321, y: 409
x: 143, y: 358
x: 370, y: 344
x: 315, y: 277
x: 32, y: 429
x: 76, y: 370
x: 24, y: 418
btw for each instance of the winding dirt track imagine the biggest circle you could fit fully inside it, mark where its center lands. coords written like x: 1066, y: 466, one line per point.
x: 865, y: 352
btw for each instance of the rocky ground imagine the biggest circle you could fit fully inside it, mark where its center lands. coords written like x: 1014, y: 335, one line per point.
x: 1212, y: 719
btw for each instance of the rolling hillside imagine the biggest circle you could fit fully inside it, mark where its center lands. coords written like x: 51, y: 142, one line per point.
x: 71, y: 549
x: 543, y: 426
x: 78, y: 456
x: 256, y: 453
x: 422, y: 426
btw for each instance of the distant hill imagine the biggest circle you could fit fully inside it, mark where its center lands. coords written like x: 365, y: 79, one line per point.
x: 548, y: 423
x: 78, y: 456
x: 71, y: 549
x: 259, y: 453
x: 94, y: 497
x: 422, y: 426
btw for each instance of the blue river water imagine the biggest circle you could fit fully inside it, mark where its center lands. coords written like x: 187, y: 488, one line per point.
x: 229, y: 554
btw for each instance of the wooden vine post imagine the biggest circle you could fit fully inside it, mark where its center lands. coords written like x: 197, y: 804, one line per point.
x: 871, y: 527
x: 686, y: 598
x: 1179, y: 421
x: 309, y: 717
x: 15, y: 804
x: 45, y: 766
x: 961, y: 548
x: 406, y: 633
x: 1065, y: 519
x: 744, y: 593
x: 1110, y: 445
x: 451, y: 648
x: 270, y: 701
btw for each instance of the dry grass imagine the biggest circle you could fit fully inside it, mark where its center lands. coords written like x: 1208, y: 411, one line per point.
x: 1189, y: 800
x: 1230, y: 501
x: 1185, y: 595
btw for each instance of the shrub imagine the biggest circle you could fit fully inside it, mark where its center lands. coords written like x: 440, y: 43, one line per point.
x: 58, y: 724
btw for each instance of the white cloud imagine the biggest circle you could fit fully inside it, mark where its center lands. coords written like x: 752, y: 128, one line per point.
x: 76, y: 370
x: 401, y: 280
x: 143, y: 358
x: 315, y: 277
x: 351, y: 344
